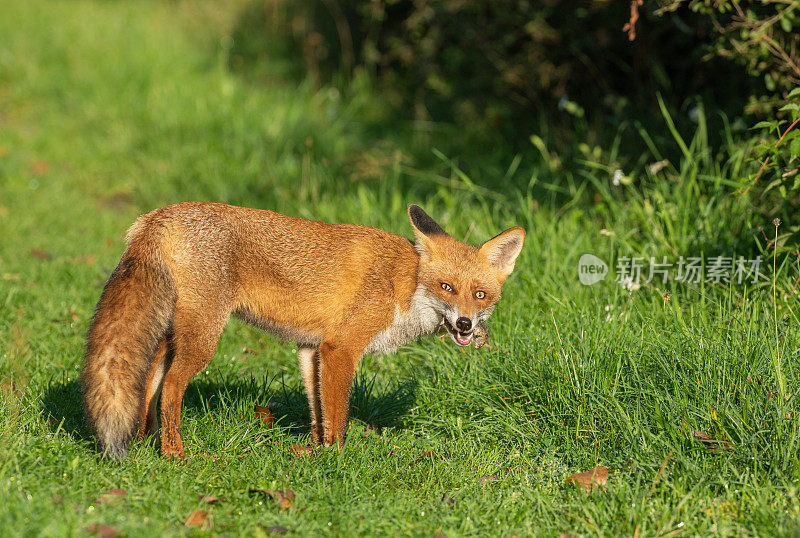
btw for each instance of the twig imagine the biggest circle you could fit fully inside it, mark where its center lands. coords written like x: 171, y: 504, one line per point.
x: 766, y: 161
x: 630, y: 26
x: 345, y: 37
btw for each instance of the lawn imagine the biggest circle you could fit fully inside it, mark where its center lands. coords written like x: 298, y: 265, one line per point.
x: 110, y: 109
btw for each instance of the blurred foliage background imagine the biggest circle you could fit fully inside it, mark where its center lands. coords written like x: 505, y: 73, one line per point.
x: 580, y: 76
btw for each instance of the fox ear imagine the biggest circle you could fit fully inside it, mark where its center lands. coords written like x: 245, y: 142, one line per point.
x: 424, y: 227
x: 422, y: 222
x: 502, y: 250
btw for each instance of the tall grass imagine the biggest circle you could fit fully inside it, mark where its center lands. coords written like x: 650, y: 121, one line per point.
x: 111, y: 109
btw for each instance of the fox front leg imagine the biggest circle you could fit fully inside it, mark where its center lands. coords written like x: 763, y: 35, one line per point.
x: 309, y: 367
x: 337, y: 368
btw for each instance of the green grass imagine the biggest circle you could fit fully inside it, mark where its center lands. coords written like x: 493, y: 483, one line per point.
x: 110, y: 109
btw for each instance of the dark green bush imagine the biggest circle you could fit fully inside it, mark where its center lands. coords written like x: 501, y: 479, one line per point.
x: 504, y: 65
x: 566, y: 71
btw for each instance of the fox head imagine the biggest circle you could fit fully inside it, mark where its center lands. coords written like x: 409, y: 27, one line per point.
x: 462, y: 282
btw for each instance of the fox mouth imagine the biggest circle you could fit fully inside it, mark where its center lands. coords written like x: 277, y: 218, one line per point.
x: 463, y: 339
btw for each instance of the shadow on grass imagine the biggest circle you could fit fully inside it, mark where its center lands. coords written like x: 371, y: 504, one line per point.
x: 289, y: 405
x: 381, y: 409
x: 62, y: 406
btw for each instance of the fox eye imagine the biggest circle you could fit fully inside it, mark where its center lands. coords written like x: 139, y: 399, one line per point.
x: 446, y: 287
x: 480, y: 294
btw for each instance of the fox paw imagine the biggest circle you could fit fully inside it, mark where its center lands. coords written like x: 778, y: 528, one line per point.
x: 173, y: 454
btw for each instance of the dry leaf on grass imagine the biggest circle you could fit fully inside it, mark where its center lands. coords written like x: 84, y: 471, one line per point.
x: 110, y: 495
x: 589, y: 479
x: 264, y: 415
x: 211, y: 499
x: 485, y: 479
x: 301, y: 451
x: 710, y: 442
x: 88, y: 259
x: 427, y: 455
x: 105, y: 531
x: 198, y: 518
x: 283, y: 498
x: 41, y: 254
x: 40, y: 167
x: 119, y: 200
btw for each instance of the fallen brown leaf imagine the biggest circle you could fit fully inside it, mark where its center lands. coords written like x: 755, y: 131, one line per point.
x: 439, y: 534
x: 597, y: 476
x: 41, y: 254
x: 111, y: 495
x: 264, y: 415
x: 283, y: 498
x: 118, y: 200
x: 301, y: 451
x: 427, y: 455
x: 198, y: 518
x: 485, y: 479
x: 710, y: 442
x: 40, y: 167
x: 106, y: 531
x: 88, y: 259
x: 211, y: 499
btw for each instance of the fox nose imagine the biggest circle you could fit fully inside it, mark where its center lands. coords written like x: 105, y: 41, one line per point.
x: 463, y: 324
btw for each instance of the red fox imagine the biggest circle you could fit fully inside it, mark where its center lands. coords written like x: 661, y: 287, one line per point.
x: 338, y: 290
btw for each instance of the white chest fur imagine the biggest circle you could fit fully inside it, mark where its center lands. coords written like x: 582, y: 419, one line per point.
x: 421, y: 318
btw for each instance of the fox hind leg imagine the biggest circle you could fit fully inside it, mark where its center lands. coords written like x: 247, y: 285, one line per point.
x: 309, y: 368
x: 148, y: 415
x: 196, y: 333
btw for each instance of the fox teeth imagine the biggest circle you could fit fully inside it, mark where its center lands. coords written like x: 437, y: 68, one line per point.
x: 463, y: 338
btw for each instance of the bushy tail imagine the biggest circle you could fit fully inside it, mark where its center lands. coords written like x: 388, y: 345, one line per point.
x: 134, y: 313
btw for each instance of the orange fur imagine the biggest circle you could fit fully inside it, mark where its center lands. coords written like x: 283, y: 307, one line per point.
x: 338, y: 290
